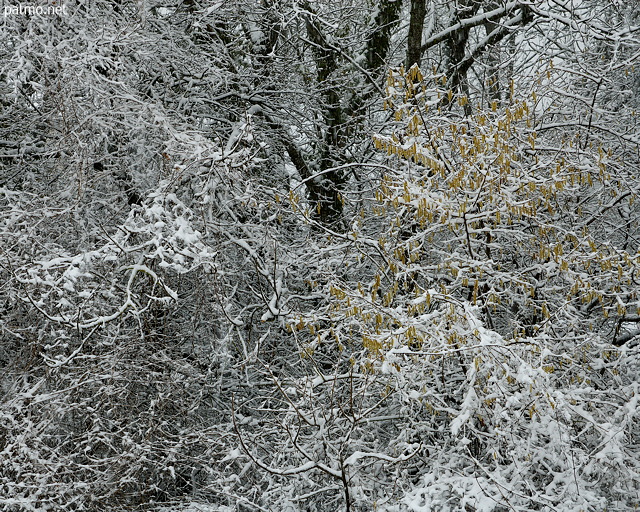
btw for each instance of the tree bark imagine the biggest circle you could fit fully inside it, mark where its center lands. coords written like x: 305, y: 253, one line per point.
x: 416, y: 24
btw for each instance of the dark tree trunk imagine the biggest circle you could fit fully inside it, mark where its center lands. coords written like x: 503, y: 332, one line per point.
x: 324, y: 188
x: 416, y: 24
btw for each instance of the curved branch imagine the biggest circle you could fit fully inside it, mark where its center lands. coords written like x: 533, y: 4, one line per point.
x: 480, y: 19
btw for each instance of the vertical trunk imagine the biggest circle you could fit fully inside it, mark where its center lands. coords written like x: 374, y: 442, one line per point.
x: 416, y: 24
x: 493, y: 56
x: 324, y: 190
x: 456, y: 49
x: 378, y: 43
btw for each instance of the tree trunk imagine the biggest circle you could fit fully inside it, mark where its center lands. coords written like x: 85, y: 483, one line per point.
x: 416, y: 24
